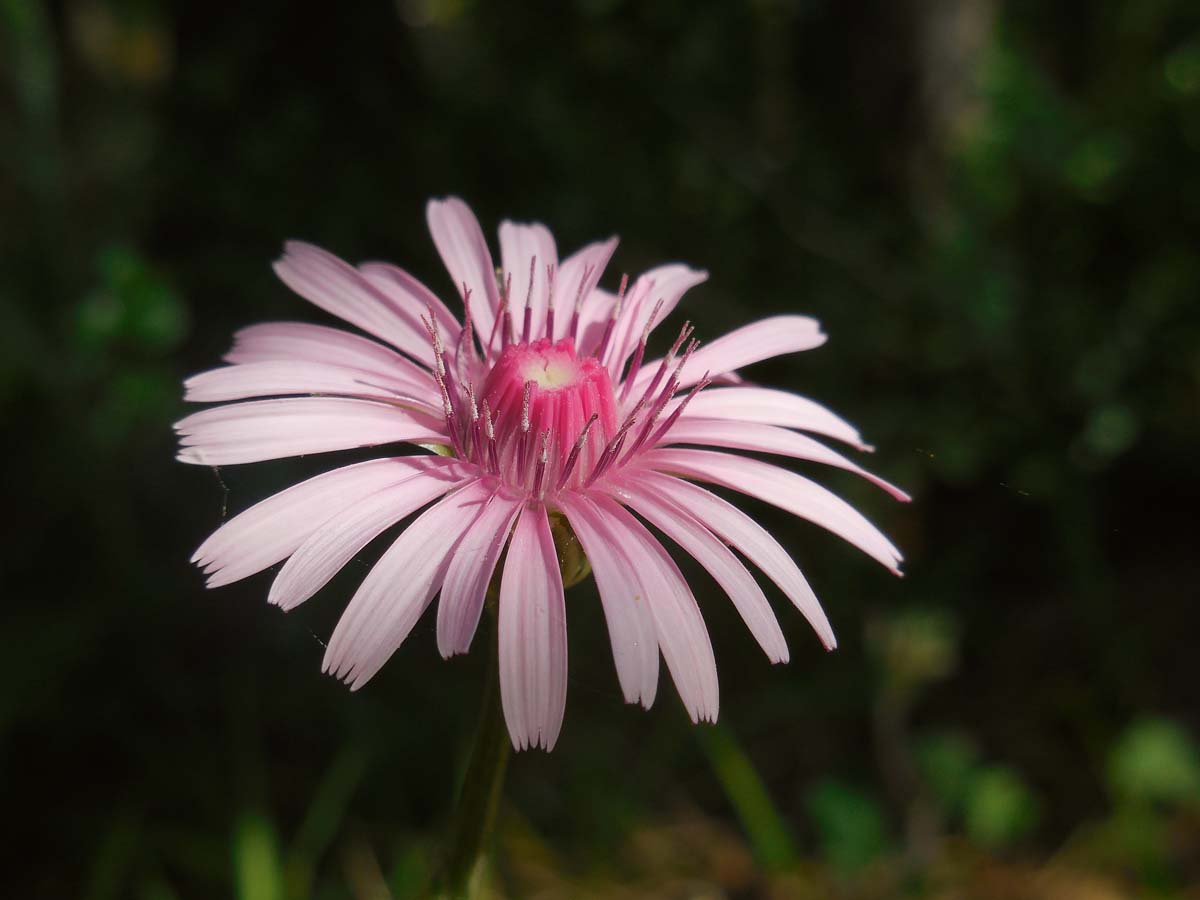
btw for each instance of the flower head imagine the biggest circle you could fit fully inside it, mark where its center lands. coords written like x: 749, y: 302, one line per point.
x: 544, y: 407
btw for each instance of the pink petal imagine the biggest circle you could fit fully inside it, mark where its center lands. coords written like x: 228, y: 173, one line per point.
x: 668, y: 283
x: 725, y: 568
x: 398, y: 589
x: 267, y: 379
x: 407, y: 293
x: 520, y: 243
x: 270, y: 429
x: 597, y: 309
x: 301, y: 342
x: 742, y: 532
x: 470, y: 572
x: 338, y: 288
x: 750, y: 344
x: 336, y: 542
x: 631, y: 628
x: 533, y: 634
x: 272, y: 529
x: 578, y: 276
x: 784, y: 489
x: 766, y: 439
x: 677, y: 620
x: 772, y: 407
x: 464, y: 251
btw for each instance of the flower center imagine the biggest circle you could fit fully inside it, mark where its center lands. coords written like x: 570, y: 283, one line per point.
x: 550, y: 368
x: 548, y: 404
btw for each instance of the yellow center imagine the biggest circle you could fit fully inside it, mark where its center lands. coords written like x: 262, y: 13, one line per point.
x: 549, y: 374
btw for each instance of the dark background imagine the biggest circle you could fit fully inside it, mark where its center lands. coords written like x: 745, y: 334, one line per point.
x: 994, y: 210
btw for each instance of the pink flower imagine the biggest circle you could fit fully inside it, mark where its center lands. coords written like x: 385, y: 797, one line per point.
x: 543, y: 396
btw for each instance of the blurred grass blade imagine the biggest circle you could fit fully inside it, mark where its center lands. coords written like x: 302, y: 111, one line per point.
x: 114, y: 857
x: 258, y: 871
x: 325, y: 815
x: 765, y: 828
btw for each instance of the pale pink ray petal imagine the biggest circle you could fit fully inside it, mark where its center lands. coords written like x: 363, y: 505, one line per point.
x: 749, y: 344
x: 272, y: 379
x: 681, y: 632
x: 519, y: 245
x: 336, y: 542
x: 744, y: 534
x: 408, y: 293
x: 533, y: 634
x: 299, y: 341
x: 597, y: 309
x: 399, y: 588
x: 465, y: 253
x: 667, y: 283
x: 631, y: 629
x: 577, y: 277
x: 767, y: 439
x: 772, y: 407
x: 787, y: 490
x: 272, y: 529
x: 295, y: 426
x: 338, y: 288
x: 470, y: 572
x: 726, y: 569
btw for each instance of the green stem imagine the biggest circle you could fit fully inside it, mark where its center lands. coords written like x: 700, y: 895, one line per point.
x: 477, y: 804
x: 765, y: 827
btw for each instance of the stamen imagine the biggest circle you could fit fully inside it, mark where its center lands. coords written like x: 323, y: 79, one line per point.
x: 613, y: 448
x: 464, y: 351
x: 540, y: 471
x: 493, y: 463
x: 684, y: 334
x: 636, y: 363
x: 550, y: 301
x: 525, y: 397
x: 529, y: 301
x: 612, y: 321
x: 504, y: 320
x: 439, y: 376
x: 678, y: 411
x: 501, y: 314
x: 569, y: 465
x: 451, y: 423
x: 579, y: 298
x: 522, y: 452
x: 472, y: 429
x: 661, y: 402
x: 607, y: 459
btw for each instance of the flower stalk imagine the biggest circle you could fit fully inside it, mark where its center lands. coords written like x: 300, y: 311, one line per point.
x: 474, y: 821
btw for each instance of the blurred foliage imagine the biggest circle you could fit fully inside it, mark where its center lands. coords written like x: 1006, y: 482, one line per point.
x: 993, y: 209
x: 1155, y: 761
